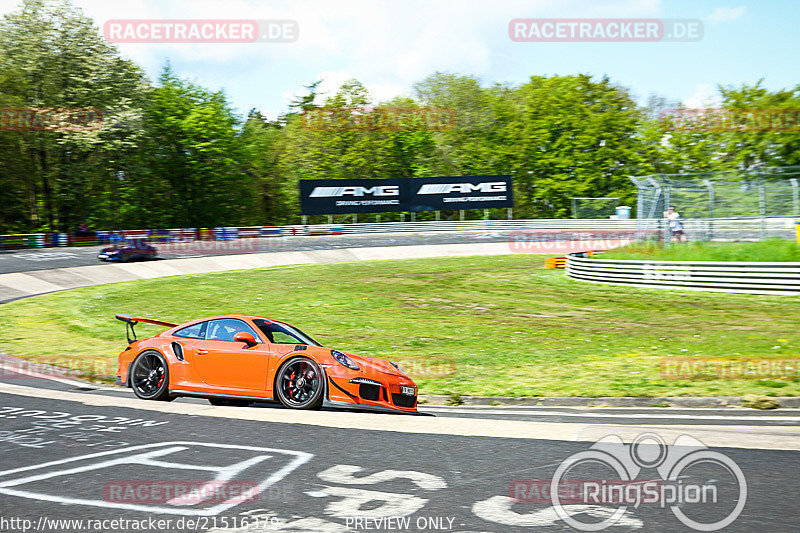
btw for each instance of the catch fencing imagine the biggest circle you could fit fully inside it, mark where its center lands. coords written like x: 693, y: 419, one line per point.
x: 697, y: 229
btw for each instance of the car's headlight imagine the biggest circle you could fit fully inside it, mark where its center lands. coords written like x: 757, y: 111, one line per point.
x: 398, y: 367
x: 344, y: 360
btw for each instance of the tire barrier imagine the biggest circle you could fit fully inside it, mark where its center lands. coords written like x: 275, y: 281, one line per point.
x: 59, y: 239
x: 714, y: 276
x: 21, y: 241
x: 226, y: 234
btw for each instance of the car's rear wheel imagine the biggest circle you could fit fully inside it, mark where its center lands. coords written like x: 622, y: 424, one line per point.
x: 229, y: 402
x: 150, y: 376
x: 299, y: 384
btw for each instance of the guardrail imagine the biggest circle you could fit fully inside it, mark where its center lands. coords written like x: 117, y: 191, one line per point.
x: 696, y: 229
x: 715, y: 276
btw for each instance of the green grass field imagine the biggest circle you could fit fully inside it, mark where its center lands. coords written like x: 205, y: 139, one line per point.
x: 500, y: 326
x: 769, y: 250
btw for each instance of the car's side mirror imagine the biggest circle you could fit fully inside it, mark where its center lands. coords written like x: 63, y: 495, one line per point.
x: 245, y: 337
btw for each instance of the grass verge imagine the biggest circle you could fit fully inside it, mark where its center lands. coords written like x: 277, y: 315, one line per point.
x: 772, y: 250
x: 496, y: 326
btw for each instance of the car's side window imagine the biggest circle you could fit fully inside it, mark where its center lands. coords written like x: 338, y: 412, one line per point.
x: 223, y: 329
x: 195, y: 331
x: 280, y: 337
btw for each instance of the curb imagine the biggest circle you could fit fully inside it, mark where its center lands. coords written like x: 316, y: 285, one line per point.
x: 606, y: 401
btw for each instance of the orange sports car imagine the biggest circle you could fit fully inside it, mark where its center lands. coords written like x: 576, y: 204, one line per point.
x: 241, y: 359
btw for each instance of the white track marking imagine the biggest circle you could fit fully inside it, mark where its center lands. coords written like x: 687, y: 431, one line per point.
x: 350, y: 501
x: 659, y: 415
x: 343, y: 474
x: 498, y: 509
x: 730, y: 436
x: 124, y: 456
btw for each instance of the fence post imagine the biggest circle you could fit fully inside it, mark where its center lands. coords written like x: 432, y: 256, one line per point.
x: 711, y: 201
x: 762, y: 207
x: 795, y: 197
x: 667, y: 228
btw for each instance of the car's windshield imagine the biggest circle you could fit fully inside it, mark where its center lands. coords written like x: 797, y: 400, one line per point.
x: 283, y: 333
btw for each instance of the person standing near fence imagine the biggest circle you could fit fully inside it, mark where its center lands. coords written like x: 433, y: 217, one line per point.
x: 675, y: 224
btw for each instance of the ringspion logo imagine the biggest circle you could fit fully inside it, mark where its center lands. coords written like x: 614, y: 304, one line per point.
x: 200, y: 31
x: 704, y: 489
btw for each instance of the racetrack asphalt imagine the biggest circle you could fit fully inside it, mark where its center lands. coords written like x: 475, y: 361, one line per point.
x: 75, y: 450
x: 68, y: 445
x: 50, y: 258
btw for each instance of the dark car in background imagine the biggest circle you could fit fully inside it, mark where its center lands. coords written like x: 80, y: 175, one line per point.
x: 131, y: 249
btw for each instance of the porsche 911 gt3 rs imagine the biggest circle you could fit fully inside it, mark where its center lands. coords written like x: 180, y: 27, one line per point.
x: 240, y: 359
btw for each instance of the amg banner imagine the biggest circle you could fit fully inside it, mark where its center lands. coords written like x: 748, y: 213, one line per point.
x: 327, y: 197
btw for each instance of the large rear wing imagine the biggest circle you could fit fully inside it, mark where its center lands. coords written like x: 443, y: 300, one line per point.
x: 130, y: 322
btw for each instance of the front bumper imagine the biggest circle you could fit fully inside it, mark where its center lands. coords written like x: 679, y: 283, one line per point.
x: 345, y: 388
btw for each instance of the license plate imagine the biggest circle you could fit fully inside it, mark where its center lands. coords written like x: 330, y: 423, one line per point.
x: 409, y: 391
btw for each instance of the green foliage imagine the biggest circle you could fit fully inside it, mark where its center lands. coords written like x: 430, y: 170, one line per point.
x: 482, y: 326
x: 172, y: 153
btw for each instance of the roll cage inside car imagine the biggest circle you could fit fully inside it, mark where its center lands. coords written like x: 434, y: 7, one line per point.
x: 271, y: 328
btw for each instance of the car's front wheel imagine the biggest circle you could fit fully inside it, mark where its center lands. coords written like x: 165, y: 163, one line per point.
x: 299, y: 384
x: 150, y: 376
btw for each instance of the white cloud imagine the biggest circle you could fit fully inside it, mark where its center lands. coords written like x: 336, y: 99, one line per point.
x: 726, y: 14
x: 705, y: 95
x: 385, y: 44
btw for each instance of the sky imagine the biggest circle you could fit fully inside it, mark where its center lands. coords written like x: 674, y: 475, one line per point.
x: 390, y: 45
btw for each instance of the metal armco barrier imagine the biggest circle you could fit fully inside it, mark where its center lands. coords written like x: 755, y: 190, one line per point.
x: 269, y: 231
x: 715, y: 276
x: 226, y: 234
x: 183, y: 234
x: 249, y: 232
x: 718, y: 229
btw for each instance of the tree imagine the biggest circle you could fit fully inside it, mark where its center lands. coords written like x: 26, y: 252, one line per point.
x: 192, y: 173
x: 52, y: 56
